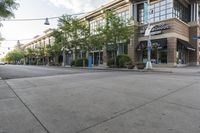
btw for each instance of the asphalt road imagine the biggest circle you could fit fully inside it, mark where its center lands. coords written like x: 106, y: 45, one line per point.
x: 21, y: 71
x: 99, y: 102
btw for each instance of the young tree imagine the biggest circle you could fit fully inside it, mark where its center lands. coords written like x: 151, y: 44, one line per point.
x: 14, y: 56
x: 115, y: 30
x: 74, y: 33
x: 30, y: 54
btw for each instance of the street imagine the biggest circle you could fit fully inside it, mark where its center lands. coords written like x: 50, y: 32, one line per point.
x: 19, y: 71
x: 64, y: 100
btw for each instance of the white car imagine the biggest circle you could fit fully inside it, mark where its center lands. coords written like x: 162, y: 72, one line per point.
x: 2, y: 63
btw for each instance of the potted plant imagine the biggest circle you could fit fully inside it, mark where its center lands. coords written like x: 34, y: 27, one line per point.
x: 141, y: 65
x: 130, y: 65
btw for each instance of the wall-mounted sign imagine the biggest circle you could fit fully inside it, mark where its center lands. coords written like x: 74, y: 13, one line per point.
x: 196, y: 37
x: 157, y: 28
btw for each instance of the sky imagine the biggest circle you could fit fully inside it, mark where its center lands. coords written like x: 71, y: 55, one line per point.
x: 12, y: 31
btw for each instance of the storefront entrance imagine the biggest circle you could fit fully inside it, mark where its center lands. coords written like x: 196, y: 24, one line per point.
x: 158, y: 52
x: 182, y: 53
x: 97, y: 57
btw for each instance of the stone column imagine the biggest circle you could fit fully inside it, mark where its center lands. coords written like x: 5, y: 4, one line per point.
x: 194, y: 55
x: 131, y: 50
x: 171, y: 51
x: 194, y: 16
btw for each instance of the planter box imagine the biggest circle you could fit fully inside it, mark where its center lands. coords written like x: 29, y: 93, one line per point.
x: 130, y: 66
x: 140, y: 66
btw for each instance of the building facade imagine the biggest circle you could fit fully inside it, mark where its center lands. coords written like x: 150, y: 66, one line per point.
x: 40, y: 41
x: 176, y: 24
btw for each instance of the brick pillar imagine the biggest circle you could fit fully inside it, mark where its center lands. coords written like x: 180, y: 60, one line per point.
x: 133, y: 44
x: 194, y: 55
x: 171, y: 51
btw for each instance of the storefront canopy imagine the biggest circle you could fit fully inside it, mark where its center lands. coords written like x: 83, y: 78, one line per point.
x: 159, y: 43
x: 184, y: 44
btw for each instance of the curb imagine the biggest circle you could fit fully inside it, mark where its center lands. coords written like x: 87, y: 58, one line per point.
x: 122, y: 70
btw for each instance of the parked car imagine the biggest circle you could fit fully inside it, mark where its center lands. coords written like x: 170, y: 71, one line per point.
x: 2, y: 63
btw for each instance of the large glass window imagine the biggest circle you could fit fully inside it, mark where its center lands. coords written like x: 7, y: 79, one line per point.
x: 140, y: 11
x: 158, y: 11
x: 124, y: 16
x: 180, y: 11
x: 161, y: 11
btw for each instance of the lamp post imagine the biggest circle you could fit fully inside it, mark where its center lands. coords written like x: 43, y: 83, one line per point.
x: 148, y: 33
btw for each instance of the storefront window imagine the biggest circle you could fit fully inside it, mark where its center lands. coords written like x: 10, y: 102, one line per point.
x: 122, y: 49
x: 158, y: 52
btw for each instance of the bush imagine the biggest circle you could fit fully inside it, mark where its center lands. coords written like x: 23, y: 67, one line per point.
x: 122, y: 61
x: 79, y: 62
x: 110, y: 63
x: 73, y: 63
x: 34, y: 62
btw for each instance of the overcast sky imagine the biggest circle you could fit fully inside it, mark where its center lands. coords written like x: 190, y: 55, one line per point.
x: 13, y: 30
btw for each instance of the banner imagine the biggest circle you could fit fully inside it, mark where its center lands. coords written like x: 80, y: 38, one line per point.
x: 145, y: 12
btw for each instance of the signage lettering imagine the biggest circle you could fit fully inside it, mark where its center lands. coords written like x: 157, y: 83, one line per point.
x: 157, y: 29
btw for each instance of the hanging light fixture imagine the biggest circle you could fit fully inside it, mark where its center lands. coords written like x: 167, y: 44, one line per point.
x: 18, y: 42
x: 46, y: 21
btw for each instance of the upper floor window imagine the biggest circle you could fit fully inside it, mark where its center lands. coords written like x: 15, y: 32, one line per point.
x: 124, y: 16
x: 158, y: 11
x: 180, y: 11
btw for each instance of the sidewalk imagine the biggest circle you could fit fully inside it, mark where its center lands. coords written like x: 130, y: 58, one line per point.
x: 14, y: 113
x: 179, y: 70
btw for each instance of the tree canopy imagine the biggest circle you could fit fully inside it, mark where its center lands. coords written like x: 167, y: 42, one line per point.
x: 14, y: 56
x: 7, y: 7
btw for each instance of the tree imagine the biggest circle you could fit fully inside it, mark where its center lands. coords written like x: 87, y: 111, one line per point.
x: 74, y: 33
x: 6, y: 10
x: 115, y: 30
x: 14, y: 56
x: 7, y: 7
x: 30, y: 54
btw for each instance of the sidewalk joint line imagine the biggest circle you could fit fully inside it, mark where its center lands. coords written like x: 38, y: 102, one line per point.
x: 135, y: 108
x: 37, y: 119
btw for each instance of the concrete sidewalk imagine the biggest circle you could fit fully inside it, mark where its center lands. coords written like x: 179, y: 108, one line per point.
x: 102, y: 102
x: 177, y: 70
x: 15, y: 116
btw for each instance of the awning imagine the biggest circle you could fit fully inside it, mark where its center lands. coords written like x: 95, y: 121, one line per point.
x: 159, y: 43
x: 184, y: 44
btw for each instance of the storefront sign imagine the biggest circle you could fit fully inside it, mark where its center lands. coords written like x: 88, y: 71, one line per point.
x: 157, y: 29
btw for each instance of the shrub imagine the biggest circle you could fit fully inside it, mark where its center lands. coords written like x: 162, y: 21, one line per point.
x: 73, y: 63
x: 34, y: 62
x: 122, y: 61
x: 79, y: 62
x: 110, y: 63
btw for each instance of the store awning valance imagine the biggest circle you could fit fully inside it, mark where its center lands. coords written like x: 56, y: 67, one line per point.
x: 159, y: 43
x: 184, y: 44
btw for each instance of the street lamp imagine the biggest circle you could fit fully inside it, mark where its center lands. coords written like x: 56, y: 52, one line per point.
x: 148, y: 33
x: 46, y: 21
